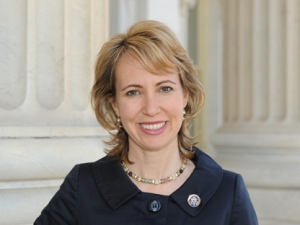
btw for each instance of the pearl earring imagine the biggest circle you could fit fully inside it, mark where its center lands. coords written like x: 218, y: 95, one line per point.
x: 119, y: 123
x: 184, y: 112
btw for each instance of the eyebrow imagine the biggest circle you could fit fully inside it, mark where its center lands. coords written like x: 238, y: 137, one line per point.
x: 131, y: 85
x: 139, y: 86
x: 165, y: 81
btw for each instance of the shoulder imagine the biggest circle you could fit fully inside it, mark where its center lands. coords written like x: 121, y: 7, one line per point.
x: 87, y: 170
x: 243, y: 211
x: 231, y: 189
x: 85, y: 173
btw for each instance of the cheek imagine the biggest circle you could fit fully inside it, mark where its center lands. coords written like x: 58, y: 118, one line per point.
x: 127, y: 111
x: 177, y: 102
x: 174, y: 109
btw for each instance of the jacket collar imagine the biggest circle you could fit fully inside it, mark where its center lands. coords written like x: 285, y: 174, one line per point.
x: 204, y: 182
x: 116, y: 187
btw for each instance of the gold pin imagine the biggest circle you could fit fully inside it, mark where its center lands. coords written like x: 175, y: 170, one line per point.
x: 194, y: 200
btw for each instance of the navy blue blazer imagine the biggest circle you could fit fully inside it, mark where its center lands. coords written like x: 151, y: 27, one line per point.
x: 101, y: 193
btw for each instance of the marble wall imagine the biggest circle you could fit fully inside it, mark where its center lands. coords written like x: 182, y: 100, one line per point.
x: 253, y: 112
x: 47, y: 54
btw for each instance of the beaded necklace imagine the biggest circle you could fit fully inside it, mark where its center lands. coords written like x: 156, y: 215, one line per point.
x: 155, y: 181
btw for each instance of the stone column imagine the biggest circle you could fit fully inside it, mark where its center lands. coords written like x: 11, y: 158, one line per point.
x: 47, y: 55
x: 258, y: 134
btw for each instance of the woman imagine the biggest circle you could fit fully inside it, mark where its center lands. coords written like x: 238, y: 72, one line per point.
x: 145, y: 94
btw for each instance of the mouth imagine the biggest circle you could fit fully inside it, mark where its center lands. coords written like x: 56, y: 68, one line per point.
x: 155, y: 126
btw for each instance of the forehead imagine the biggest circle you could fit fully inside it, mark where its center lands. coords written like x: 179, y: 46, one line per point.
x: 130, y: 71
x: 128, y: 64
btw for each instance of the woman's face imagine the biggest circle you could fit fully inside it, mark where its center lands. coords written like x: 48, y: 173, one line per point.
x: 150, y: 106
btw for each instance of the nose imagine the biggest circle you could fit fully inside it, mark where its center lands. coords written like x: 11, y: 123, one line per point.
x: 151, y: 105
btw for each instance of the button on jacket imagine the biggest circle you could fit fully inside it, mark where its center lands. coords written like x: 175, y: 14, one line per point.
x: 102, y: 193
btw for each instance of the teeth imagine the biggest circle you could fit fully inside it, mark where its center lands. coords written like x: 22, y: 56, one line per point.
x: 153, y: 126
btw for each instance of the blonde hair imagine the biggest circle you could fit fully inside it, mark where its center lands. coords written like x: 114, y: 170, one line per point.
x: 158, y: 50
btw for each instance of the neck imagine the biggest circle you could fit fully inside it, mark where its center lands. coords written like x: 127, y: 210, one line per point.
x: 154, y: 164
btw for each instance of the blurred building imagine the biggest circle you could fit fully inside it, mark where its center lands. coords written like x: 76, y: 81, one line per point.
x: 246, y: 52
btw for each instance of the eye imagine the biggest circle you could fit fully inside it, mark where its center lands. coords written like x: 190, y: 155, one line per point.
x: 166, y: 89
x: 132, y: 93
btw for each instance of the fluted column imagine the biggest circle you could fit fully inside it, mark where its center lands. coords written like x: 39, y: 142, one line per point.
x: 259, y: 132
x: 277, y: 66
x: 48, y: 51
x: 13, y: 54
x: 293, y: 65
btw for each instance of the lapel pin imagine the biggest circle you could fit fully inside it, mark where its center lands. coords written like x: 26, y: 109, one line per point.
x: 194, y: 200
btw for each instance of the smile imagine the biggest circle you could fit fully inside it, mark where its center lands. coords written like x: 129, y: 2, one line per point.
x: 153, y: 126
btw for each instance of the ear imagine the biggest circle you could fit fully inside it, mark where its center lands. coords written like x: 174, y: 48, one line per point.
x: 114, y: 105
